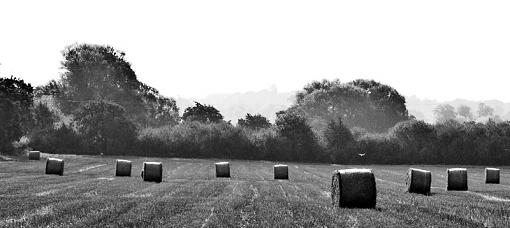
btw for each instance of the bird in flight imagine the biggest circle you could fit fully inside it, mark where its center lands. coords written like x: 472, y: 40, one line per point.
x: 361, y: 155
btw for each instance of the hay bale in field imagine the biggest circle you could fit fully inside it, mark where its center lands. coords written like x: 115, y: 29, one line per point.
x: 152, y: 171
x: 457, y: 179
x: 123, y: 168
x: 55, y: 166
x: 34, y: 155
x: 353, y: 188
x: 222, y: 169
x: 491, y: 176
x: 418, y: 181
x: 281, y: 171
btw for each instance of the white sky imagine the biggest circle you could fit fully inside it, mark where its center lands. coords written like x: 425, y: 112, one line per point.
x: 437, y: 49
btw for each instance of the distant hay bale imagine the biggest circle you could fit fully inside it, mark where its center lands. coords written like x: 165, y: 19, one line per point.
x: 152, y: 171
x: 55, y: 166
x: 34, y: 155
x: 222, y: 169
x: 457, y: 179
x: 491, y: 176
x: 418, y: 181
x: 353, y: 188
x: 123, y: 168
x: 281, y: 171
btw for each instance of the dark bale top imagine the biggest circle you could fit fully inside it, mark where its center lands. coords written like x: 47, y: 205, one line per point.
x: 55, y: 166
x: 222, y: 169
x: 123, y: 168
x: 491, y: 176
x: 354, y: 188
x: 34, y: 155
x: 152, y: 171
x: 457, y: 179
x: 419, y: 181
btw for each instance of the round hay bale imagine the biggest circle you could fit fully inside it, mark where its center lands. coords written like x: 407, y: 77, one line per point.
x: 123, y: 168
x: 491, y: 176
x: 457, y: 179
x: 34, y: 155
x: 353, y: 188
x: 152, y: 171
x: 281, y: 171
x: 418, y: 181
x: 55, y: 166
x: 222, y: 169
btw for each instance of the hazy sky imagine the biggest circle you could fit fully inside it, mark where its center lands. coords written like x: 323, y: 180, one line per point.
x: 433, y: 49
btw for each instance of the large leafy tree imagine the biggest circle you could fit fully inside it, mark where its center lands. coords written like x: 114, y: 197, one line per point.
x: 485, y: 110
x: 254, y: 121
x: 16, y: 101
x: 361, y: 103
x: 444, y: 113
x: 417, y: 137
x: 202, y: 113
x: 10, y: 122
x: 465, y: 112
x: 298, y: 136
x: 21, y: 94
x: 339, y: 140
x: 94, y: 72
x: 106, y: 127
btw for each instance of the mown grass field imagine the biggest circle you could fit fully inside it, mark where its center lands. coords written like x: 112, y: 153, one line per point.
x: 88, y: 195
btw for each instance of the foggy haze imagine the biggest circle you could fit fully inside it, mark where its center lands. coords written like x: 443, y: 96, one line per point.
x: 267, y: 102
x: 439, y: 50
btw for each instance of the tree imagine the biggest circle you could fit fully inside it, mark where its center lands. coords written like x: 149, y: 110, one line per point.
x: 465, y: 112
x: 10, y: 122
x: 485, y: 110
x: 417, y: 137
x: 298, y: 135
x: 202, y: 113
x: 444, y: 113
x: 339, y: 140
x: 254, y: 122
x: 21, y: 95
x: 105, y: 127
x: 94, y: 72
x: 15, y: 111
x: 361, y: 103
x: 43, y: 116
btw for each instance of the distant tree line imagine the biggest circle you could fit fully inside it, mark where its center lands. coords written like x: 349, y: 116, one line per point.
x: 463, y: 113
x: 98, y: 106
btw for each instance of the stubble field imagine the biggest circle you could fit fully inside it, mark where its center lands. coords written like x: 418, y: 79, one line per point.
x: 89, y: 195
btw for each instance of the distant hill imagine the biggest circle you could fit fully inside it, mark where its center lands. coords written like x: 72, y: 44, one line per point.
x: 424, y: 108
x: 235, y: 105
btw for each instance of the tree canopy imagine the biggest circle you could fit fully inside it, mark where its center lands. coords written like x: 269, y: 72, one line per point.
x: 254, y: 121
x: 444, y: 113
x: 94, y: 72
x: 105, y: 127
x: 202, y: 113
x: 361, y: 103
x: 15, y: 111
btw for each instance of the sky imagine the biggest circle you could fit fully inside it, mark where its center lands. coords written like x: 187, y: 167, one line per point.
x: 435, y: 49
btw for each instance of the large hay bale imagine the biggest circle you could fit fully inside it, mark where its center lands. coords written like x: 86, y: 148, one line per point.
x: 281, y: 171
x: 34, y: 155
x: 55, y: 166
x: 353, y: 188
x: 491, y: 176
x: 457, y: 179
x: 418, y: 181
x: 222, y: 169
x: 152, y: 171
x: 123, y: 168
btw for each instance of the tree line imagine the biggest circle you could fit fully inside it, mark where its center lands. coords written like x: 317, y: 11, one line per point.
x: 98, y: 106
